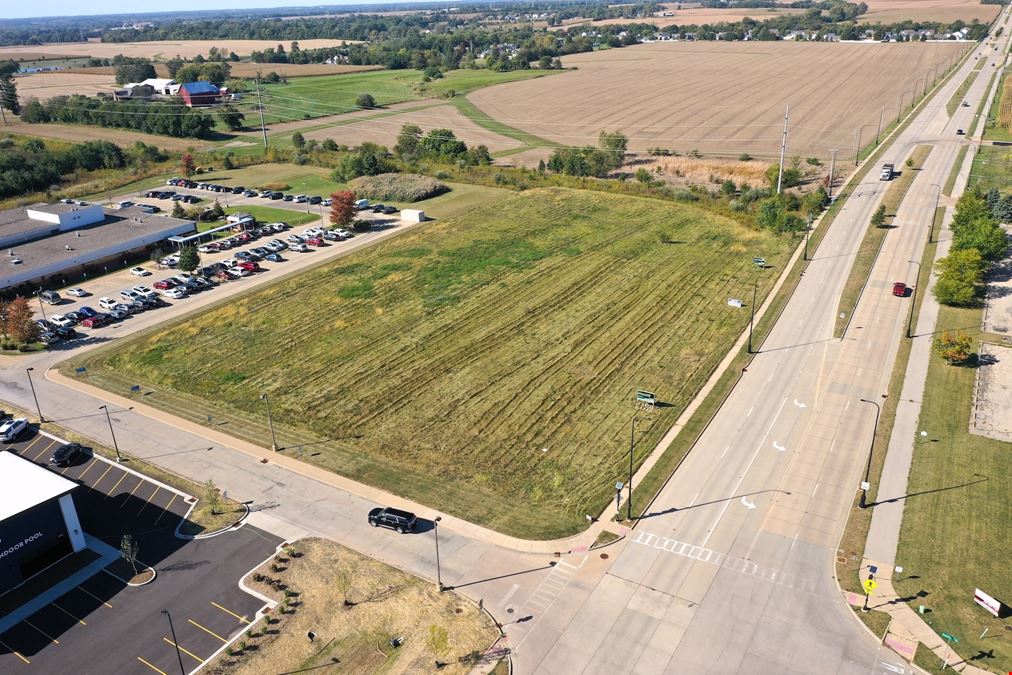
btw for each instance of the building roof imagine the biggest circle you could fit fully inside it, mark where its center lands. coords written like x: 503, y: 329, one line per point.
x: 200, y: 87
x: 25, y: 484
x: 158, y: 83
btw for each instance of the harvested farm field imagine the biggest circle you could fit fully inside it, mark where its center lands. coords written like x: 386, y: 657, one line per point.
x: 249, y: 69
x: 155, y: 50
x: 722, y: 98
x: 944, y: 11
x: 692, y: 16
x: 44, y: 86
x: 483, y: 365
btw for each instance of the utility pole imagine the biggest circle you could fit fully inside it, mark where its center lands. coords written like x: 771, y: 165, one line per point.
x: 913, y: 298
x: 857, y: 143
x: 878, y: 132
x: 38, y: 294
x: 783, y: 149
x: 32, y: 385
x: 832, y: 172
x: 270, y: 422
x: 260, y: 105
x: 934, y: 211
x: 111, y: 433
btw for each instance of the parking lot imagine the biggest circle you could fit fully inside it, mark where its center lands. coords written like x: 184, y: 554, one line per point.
x: 94, y: 621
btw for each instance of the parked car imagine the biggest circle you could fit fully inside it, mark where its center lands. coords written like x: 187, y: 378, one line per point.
x: 107, y: 303
x: 49, y: 338
x: 177, y: 197
x: 143, y: 291
x: 277, y: 195
x: 378, y: 208
x: 316, y: 241
x: 139, y: 272
x: 182, y: 278
x: 315, y: 199
x: 298, y: 248
x: 327, y: 202
x: 395, y: 519
x: 50, y: 297
x: 170, y: 261
x: 165, y: 284
x: 900, y: 289
x: 312, y: 232
x: 295, y: 239
x: 274, y: 258
x: 175, y: 293
x: 11, y: 429
x: 86, y: 312
x: 77, y: 292
x: 287, y: 198
x: 249, y: 193
x: 239, y: 271
x: 208, y: 248
x: 345, y: 234
x: 117, y: 314
x: 249, y: 266
x: 96, y: 321
x: 123, y: 307
x: 65, y: 454
x: 190, y: 199
x: 266, y: 194
x: 279, y: 227
x: 390, y: 210
x: 238, y: 190
x: 300, y: 199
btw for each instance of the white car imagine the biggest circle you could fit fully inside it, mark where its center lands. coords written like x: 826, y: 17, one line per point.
x: 183, y: 278
x: 327, y: 202
x: 61, y: 321
x: 170, y: 261
x: 300, y: 199
x: 139, y: 272
x: 143, y: 290
x: 130, y: 295
x: 11, y: 429
x: 312, y: 232
x: 107, y: 303
x: 298, y: 247
x: 239, y: 271
x: 176, y: 293
x: 77, y: 292
x: 341, y: 232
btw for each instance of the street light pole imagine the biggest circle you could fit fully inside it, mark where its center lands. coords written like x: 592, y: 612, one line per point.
x: 111, y: 433
x: 931, y: 223
x: 871, y: 448
x: 42, y: 309
x: 913, y: 297
x: 270, y: 422
x: 435, y: 531
x: 32, y: 385
x: 175, y: 642
x: 751, y: 318
x: 808, y: 228
x: 632, y: 445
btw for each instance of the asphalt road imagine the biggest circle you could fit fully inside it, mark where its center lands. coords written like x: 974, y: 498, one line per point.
x: 732, y: 570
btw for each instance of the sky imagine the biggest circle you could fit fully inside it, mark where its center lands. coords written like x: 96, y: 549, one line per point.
x: 21, y: 10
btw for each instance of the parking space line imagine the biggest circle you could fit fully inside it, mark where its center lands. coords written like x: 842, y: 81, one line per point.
x: 165, y: 509
x: 127, y: 498
x: 93, y: 463
x: 184, y: 650
x: 14, y: 651
x: 51, y: 444
x: 109, y: 492
x: 68, y: 614
x: 85, y: 590
x: 28, y: 447
x: 208, y: 631
x: 55, y: 641
x: 228, y: 611
x: 157, y: 670
x: 148, y: 502
x: 107, y: 470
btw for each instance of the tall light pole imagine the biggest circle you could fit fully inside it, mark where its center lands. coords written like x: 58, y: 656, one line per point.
x: 832, y: 172
x: 857, y: 142
x: 32, y: 385
x: 913, y: 297
x: 925, y: 81
x: 175, y: 642
x: 632, y: 446
x: 751, y: 318
x: 42, y: 309
x: 899, y: 105
x: 270, y: 422
x: 931, y: 223
x: 867, y: 467
x: 808, y: 228
x: 435, y: 531
x: 109, y: 420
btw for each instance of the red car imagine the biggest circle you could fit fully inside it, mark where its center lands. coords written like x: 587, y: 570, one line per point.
x: 315, y: 241
x: 94, y: 321
x: 900, y: 289
x: 244, y: 236
x: 251, y: 265
x: 165, y: 284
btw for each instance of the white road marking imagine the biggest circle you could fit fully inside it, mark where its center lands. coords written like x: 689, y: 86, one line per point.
x: 749, y: 411
x: 509, y: 594
x: 725, y: 451
x: 847, y: 407
x: 795, y: 541
x: 869, y: 345
x: 770, y: 377
x: 778, y: 446
x: 801, y: 322
x: 799, y: 404
x: 831, y: 447
x: 814, y: 489
x: 859, y: 372
x: 694, y: 499
x: 749, y: 505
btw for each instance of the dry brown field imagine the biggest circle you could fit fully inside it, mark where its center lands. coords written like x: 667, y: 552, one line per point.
x: 719, y: 98
x: 692, y: 16
x: 249, y: 69
x: 44, y: 86
x: 157, y: 50
x: 121, y: 137
x: 945, y: 11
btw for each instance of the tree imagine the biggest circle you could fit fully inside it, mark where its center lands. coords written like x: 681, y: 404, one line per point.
x: 134, y: 72
x: 9, y: 93
x: 189, y: 259
x: 365, y: 101
x: 959, y: 277
x: 298, y: 140
x: 984, y: 235
x: 18, y: 323
x: 187, y: 164
x: 342, y: 207
x: 368, y: 159
x: 329, y: 144
x: 791, y: 177
x: 177, y: 210
x: 216, y: 72
x: 231, y: 117
x: 614, y: 146
x: 878, y: 218
x: 408, y: 142
x: 956, y: 348
x: 128, y: 550
x: 212, y: 495
x: 479, y: 155
x: 173, y: 65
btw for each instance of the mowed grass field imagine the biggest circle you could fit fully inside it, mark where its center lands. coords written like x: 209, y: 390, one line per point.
x: 720, y: 98
x: 483, y: 365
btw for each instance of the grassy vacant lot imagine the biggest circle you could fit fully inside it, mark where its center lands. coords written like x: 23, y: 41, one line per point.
x: 382, y: 603
x: 266, y: 214
x: 309, y: 180
x: 484, y: 364
x: 992, y: 131
x: 956, y: 520
x: 992, y: 167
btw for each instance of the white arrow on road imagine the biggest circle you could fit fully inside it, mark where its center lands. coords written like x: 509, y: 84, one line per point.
x: 799, y: 404
x: 776, y: 444
x: 747, y: 503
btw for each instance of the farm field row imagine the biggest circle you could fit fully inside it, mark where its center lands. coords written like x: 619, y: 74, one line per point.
x: 483, y: 364
x: 720, y: 97
x: 158, y: 50
x: 944, y: 11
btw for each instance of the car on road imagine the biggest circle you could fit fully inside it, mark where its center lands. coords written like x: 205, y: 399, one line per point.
x: 107, y: 303
x: 900, y: 289
x: 65, y: 454
x: 960, y: 132
x: 965, y: 104
x: 77, y: 292
x: 395, y: 519
x: 11, y: 429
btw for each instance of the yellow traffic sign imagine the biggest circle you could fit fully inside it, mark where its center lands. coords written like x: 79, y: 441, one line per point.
x: 870, y: 586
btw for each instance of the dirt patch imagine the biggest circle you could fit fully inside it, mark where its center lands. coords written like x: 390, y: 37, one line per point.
x: 158, y: 50
x: 992, y: 401
x: 718, y: 98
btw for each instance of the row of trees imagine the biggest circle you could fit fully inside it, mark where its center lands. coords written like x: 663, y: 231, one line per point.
x: 978, y: 241
x: 591, y: 161
x: 370, y: 159
x: 153, y: 117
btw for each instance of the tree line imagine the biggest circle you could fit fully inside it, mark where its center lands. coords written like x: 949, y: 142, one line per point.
x: 153, y: 117
x: 978, y: 242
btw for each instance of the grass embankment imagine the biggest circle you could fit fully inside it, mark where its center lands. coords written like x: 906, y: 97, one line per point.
x: 950, y: 181
x: 200, y: 519
x: 483, y: 365
x: 964, y: 86
x: 957, y: 515
x: 473, y: 113
x: 867, y: 253
x: 307, y: 180
x: 356, y: 606
x: 855, y: 534
x: 993, y: 131
x: 979, y: 117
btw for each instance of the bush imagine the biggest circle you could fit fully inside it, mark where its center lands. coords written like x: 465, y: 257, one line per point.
x: 406, y: 187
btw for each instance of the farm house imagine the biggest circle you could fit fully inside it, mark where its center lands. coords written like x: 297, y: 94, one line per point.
x: 199, y: 93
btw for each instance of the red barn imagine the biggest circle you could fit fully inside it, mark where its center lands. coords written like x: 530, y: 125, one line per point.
x: 199, y: 93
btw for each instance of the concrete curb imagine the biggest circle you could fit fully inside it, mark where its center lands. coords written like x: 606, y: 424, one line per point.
x: 219, y: 531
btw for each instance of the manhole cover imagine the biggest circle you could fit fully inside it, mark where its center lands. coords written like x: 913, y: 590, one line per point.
x: 509, y: 610
x: 604, y: 556
x: 458, y: 611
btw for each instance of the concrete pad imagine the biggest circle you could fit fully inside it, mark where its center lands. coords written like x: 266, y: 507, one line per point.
x: 992, y: 400
x: 998, y: 306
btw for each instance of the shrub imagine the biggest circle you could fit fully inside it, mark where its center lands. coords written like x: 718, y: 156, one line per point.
x: 407, y: 187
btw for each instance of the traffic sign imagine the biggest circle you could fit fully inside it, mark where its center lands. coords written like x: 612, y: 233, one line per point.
x: 646, y: 397
x: 761, y: 262
x: 950, y: 638
x: 869, y: 586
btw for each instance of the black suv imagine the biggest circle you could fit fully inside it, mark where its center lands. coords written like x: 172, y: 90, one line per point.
x: 395, y: 519
x: 65, y: 454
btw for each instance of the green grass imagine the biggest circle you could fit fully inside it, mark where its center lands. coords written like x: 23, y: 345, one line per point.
x: 953, y: 532
x: 461, y: 197
x: 992, y: 131
x: 992, y: 167
x: 308, y: 180
x: 465, y: 81
x: 979, y: 116
x: 440, y: 364
x: 864, y: 260
x: 471, y: 111
x: 950, y: 181
x: 960, y: 93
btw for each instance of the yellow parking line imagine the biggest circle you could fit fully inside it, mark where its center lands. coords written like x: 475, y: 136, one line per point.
x: 107, y: 470
x: 157, y: 670
x: 152, y: 496
x: 165, y: 509
x: 208, y: 631
x: 93, y: 463
x: 184, y: 650
x: 109, y: 494
x: 127, y: 498
x: 16, y: 652
x: 68, y: 614
x: 55, y: 641
x: 228, y: 611
x: 28, y: 447
x: 51, y: 444
x: 82, y: 588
